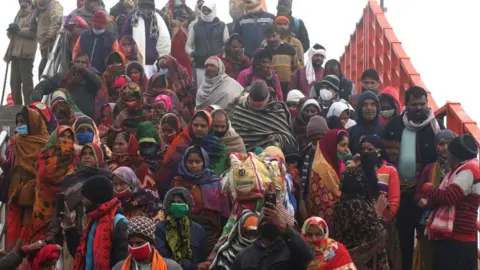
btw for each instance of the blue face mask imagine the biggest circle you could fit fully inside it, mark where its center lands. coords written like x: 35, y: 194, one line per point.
x: 84, y: 137
x: 148, y: 151
x: 163, y: 71
x: 22, y: 130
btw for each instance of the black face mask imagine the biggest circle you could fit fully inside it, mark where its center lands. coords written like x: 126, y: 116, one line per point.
x: 417, y: 115
x: 370, y: 159
x: 269, y: 232
x: 220, y: 134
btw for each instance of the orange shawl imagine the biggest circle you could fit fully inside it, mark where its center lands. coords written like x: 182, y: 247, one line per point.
x: 158, y: 263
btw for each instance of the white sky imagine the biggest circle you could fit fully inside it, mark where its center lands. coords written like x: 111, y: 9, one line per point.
x: 441, y: 37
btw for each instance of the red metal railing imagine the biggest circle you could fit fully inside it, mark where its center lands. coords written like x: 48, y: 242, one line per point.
x: 375, y: 45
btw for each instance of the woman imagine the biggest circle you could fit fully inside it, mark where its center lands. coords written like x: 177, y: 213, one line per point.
x: 210, y: 205
x: 136, y: 73
x: 150, y: 146
x: 388, y: 184
x: 328, y: 253
x: 130, y: 110
x: 31, y: 136
x: 115, y: 66
x: 229, y: 136
x: 47, y: 115
x: 106, y: 119
x: 324, y: 189
x: 62, y: 112
x: 128, y: 47
x: 233, y: 57
x: 55, y: 162
x: 178, y: 237
x: 293, y: 99
x: 306, y: 110
x: 170, y: 127
x: 161, y: 106
x: 343, y: 112
x: 356, y: 221
x: 85, y: 132
x: 180, y: 16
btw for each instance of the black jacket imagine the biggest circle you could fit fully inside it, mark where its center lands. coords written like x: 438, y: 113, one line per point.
x: 117, y: 10
x: 297, y: 26
x: 291, y: 252
x: 83, y: 93
x: 12, y: 260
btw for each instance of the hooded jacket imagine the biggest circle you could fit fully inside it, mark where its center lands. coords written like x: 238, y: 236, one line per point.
x: 363, y: 126
x: 391, y: 93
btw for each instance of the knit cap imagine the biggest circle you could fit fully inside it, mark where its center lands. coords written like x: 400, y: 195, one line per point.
x: 317, y: 126
x: 143, y: 227
x: 98, y: 189
x: 332, y: 81
x: 463, y: 147
x: 99, y: 20
x: 295, y: 96
x: 146, y: 2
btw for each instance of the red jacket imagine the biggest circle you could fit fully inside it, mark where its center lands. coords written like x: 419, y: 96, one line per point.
x: 392, y: 92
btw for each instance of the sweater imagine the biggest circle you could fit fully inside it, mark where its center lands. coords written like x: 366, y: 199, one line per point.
x: 250, y: 28
x: 389, y: 184
x: 284, y: 61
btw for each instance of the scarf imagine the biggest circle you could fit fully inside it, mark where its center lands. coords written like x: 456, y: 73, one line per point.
x: 104, y: 216
x: 47, y: 115
x: 158, y: 263
x: 309, y: 70
x: 308, y: 155
x: 131, y: 55
x: 417, y: 127
x: 87, y: 121
x: 256, y: 127
x: 231, y: 139
x: 55, y: 162
x: 128, y: 177
x: 178, y: 237
x: 130, y: 159
x: 154, y: 32
x: 136, y: 114
x: 47, y: 253
x: 301, y: 122
x: 113, y: 72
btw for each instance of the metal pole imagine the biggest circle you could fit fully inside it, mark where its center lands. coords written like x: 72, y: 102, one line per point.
x: 5, y: 84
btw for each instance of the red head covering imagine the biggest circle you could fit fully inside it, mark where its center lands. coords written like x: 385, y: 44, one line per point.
x: 165, y: 100
x: 120, y: 82
x: 98, y: 152
x: 47, y: 253
x: 328, y: 145
x: 282, y: 19
x: 99, y: 20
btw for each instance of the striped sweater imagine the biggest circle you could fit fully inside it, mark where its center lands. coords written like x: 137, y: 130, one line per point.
x: 284, y: 61
x: 464, y: 193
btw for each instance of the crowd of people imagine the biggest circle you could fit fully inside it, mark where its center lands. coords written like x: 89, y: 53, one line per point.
x: 176, y: 141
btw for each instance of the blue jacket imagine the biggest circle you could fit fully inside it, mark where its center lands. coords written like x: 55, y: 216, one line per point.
x: 250, y: 28
x: 97, y: 47
x: 198, y: 241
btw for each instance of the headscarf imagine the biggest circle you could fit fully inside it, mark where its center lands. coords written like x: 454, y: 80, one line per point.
x: 86, y: 121
x: 143, y: 80
x: 301, y: 122
x: 310, y: 71
x: 47, y: 253
x: 137, y: 113
x: 294, y: 96
x: 337, y: 108
x: 328, y: 146
x: 60, y: 104
x: 47, y: 115
x: 317, y: 126
x: 147, y: 132
x: 165, y: 100
x: 133, y: 54
x: 128, y: 176
x: 113, y: 72
x: 210, y: 4
x: 129, y: 159
x: 376, y: 141
x: 172, y: 120
x: 231, y: 139
x: 97, y: 153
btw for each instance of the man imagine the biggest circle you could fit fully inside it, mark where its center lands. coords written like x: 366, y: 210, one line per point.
x: 259, y: 122
x: 453, y: 226
x: 103, y: 211
x: 287, y: 37
x: 326, y: 92
x: 49, y: 15
x: 150, y: 33
x: 250, y: 26
x: 97, y: 42
x: 80, y: 81
x: 223, y: 130
x: 278, y: 245
x: 218, y: 87
x: 297, y: 26
x: 370, y: 81
x: 88, y: 10
x: 206, y: 38
x: 284, y: 57
x: 120, y: 8
x: 408, y: 140
x: 234, y: 57
x: 389, y: 104
x: 368, y: 120
x: 141, y: 245
x: 346, y: 87
x: 21, y: 53
x: 304, y: 78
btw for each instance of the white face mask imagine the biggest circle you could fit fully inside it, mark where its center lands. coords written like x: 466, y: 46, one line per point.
x: 326, y: 94
x: 98, y: 31
x: 387, y: 113
x: 177, y: 3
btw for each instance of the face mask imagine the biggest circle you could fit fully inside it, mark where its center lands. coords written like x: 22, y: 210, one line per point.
x: 269, y: 232
x: 148, y: 151
x: 326, y: 94
x: 98, y: 31
x: 107, y: 121
x: 163, y: 71
x: 84, y: 137
x: 177, y: 3
x: 387, y: 113
x: 141, y: 253
x: 369, y: 158
x: 341, y: 156
x: 132, y: 104
x: 208, y: 18
x: 178, y: 209
x: 171, y: 137
x: 135, y: 77
x: 22, y: 130
x: 122, y: 194
x: 220, y: 134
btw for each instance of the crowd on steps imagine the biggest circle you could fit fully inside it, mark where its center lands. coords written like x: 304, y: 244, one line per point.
x: 173, y: 140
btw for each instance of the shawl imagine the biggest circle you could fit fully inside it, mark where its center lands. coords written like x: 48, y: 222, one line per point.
x: 431, y: 120
x: 113, y: 72
x: 177, y: 234
x: 54, y: 162
x: 131, y: 55
x: 165, y: 100
x: 309, y: 70
x: 143, y: 81
x: 220, y: 90
x: 47, y: 115
x: 128, y: 176
x: 26, y: 148
x: 104, y: 217
x: 301, y: 122
x: 256, y: 127
x: 154, y: 91
x: 145, y: 201
x: 158, y: 263
x: 61, y: 108
x: 137, y: 114
x: 47, y: 253
x: 233, y: 243
x: 231, y: 139
x: 85, y: 120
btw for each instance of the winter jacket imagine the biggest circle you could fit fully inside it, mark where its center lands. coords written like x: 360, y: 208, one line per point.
x: 291, y: 252
x: 97, y: 47
x: 347, y: 88
x: 198, y: 241
x: 205, y: 40
x: 390, y: 93
x: 12, y: 260
x: 364, y: 127
x: 297, y: 27
x: 250, y: 28
x: 49, y: 21
x: 23, y: 45
x: 118, y: 9
x: 83, y: 94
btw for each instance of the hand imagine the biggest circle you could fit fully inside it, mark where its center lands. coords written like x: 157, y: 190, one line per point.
x: 381, y: 204
x: 273, y: 216
x: 34, y: 247
x: 66, y: 218
x: 13, y: 28
x: 423, y: 203
x: 121, y: 118
x: 204, y: 265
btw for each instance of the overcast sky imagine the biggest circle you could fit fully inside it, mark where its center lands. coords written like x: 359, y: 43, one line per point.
x: 441, y: 37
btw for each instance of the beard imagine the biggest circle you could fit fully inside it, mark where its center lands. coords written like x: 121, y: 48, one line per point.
x: 269, y: 232
x: 417, y: 116
x: 317, y: 63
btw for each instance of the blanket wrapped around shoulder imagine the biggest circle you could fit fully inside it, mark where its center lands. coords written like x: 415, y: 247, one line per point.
x: 258, y: 127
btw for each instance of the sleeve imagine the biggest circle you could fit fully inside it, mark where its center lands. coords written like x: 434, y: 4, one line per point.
x: 303, y: 36
x: 295, y: 62
x: 279, y: 88
x: 92, y: 80
x: 300, y: 55
x: 164, y: 46
x: 242, y: 80
x: 423, y: 180
x: 127, y: 28
x: 56, y: 16
x: 453, y: 193
x: 237, y: 28
x: 226, y: 34
x: 11, y: 261
x: 73, y: 239
x: 27, y: 33
x: 299, y: 249
x: 77, y: 48
x: 313, y: 93
x: 393, y: 196
x: 48, y: 86
x: 190, y: 44
x: 120, y: 243
x: 160, y: 240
